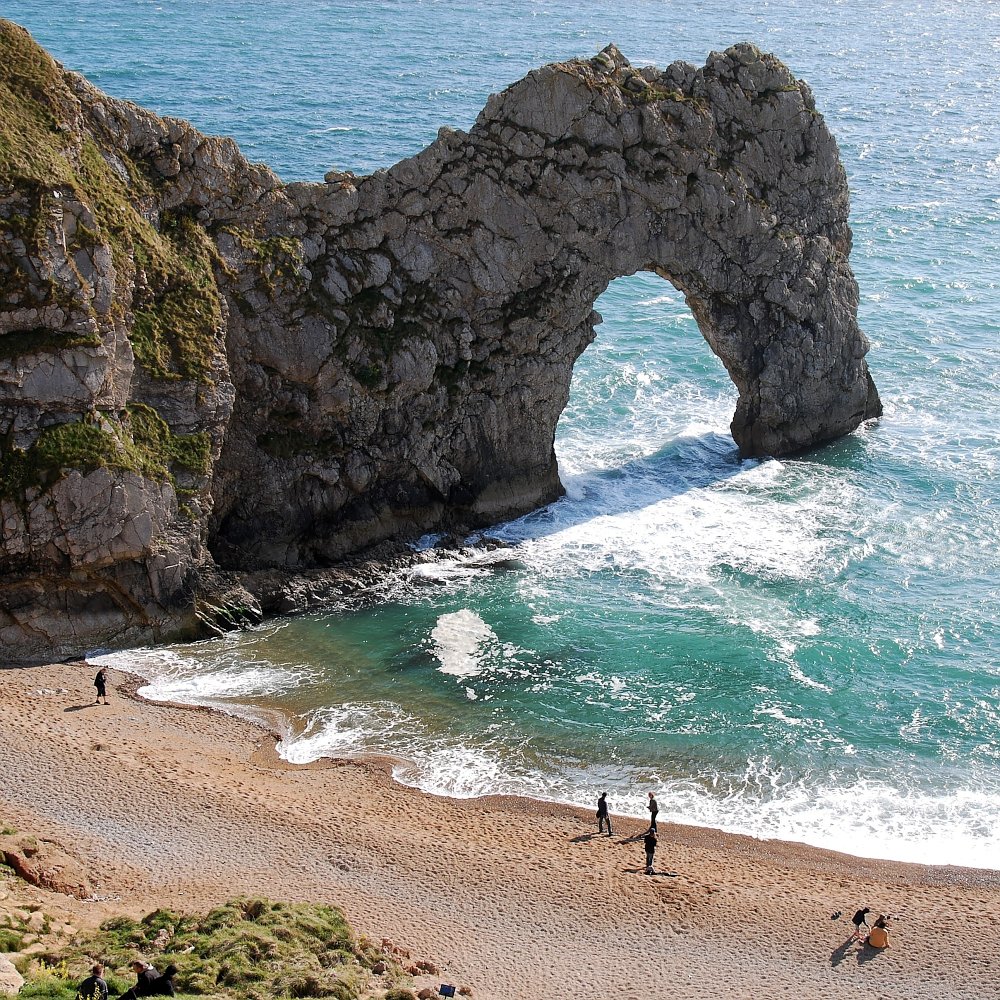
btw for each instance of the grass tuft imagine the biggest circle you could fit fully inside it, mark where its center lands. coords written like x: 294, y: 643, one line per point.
x: 248, y: 949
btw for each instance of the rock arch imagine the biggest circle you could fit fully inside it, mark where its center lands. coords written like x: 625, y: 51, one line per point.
x: 201, y: 366
x: 464, y: 280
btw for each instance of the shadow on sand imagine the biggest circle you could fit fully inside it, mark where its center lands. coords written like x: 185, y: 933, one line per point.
x: 841, y: 952
x: 641, y: 870
x: 864, y: 953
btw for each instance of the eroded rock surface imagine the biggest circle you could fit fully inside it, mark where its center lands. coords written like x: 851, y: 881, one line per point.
x: 200, y: 366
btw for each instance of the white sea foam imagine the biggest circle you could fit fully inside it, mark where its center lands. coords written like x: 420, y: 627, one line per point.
x: 459, y: 641
x: 347, y: 730
x: 869, y: 817
x: 331, y: 128
x: 214, y: 674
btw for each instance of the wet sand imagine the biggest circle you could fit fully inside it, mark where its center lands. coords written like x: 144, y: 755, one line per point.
x: 179, y: 807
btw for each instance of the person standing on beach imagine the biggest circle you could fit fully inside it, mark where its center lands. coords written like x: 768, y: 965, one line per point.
x: 93, y: 987
x: 603, y: 816
x: 649, y: 843
x: 653, y: 810
x: 101, y: 683
x: 860, y: 919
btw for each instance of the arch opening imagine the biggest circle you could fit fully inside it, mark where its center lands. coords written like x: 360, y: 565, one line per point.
x: 648, y: 383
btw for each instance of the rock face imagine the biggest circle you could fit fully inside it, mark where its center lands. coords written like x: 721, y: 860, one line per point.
x: 201, y: 366
x: 44, y: 863
x: 11, y: 980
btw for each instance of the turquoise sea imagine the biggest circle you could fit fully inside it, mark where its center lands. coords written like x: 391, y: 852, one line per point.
x: 806, y: 649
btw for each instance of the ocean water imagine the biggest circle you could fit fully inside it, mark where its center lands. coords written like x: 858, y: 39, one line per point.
x: 807, y: 648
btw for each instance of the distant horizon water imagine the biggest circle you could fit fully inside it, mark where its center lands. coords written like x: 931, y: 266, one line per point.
x: 803, y: 649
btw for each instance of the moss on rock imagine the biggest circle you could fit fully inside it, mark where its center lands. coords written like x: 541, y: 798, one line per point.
x: 141, y: 442
x: 176, y: 301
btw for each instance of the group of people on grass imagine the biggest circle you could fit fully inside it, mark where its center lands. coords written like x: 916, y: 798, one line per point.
x: 148, y: 983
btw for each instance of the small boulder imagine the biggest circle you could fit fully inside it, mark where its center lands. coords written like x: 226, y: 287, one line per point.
x: 45, y: 864
x: 11, y: 980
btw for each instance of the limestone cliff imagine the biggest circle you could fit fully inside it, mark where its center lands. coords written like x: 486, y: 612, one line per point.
x: 202, y: 366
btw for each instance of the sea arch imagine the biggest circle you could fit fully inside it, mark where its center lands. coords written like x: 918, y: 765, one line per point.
x: 456, y: 290
x: 208, y: 367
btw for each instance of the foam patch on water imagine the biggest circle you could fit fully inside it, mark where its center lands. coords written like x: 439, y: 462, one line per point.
x: 348, y: 730
x: 460, y: 641
x: 691, y: 534
x: 869, y: 817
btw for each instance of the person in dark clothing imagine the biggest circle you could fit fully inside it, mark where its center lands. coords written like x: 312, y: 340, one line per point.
x: 93, y: 987
x: 147, y: 981
x: 653, y: 810
x: 101, y: 683
x: 860, y: 919
x: 165, y: 984
x: 603, y: 816
x: 649, y: 842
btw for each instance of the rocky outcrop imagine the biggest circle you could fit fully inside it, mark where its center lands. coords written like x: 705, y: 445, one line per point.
x: 11, y: 980
x: 44, y: 863
x: 201, y: 366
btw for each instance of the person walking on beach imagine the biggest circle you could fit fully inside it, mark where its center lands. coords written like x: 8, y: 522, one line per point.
x: 653, y: 810
x: 93, y: 987
x: 101, y: 683
x: 860, y: 919
x: 603, y: 816
x: 649, y: 843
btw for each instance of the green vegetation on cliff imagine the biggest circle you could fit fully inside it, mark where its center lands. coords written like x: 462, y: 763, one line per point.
x: 31, y: 139
x: 48, y: 155
x: 248, y: 949
x: 176, y: 333
x: 141, y: 443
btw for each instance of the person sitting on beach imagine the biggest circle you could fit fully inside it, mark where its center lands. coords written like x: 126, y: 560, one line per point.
x: 649, y: 842
x: 93, y: 987
x: 860, y: 919
x: 878, y: 936
x: 147, y: 981
x: 603, y: 816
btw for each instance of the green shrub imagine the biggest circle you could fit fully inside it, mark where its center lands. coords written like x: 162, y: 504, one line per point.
x: 251, y: 949
x: 48, y: 988
x: 10, y: 940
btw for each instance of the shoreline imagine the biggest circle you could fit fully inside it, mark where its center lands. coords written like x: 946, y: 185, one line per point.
x: 184, y: 806
x: 389, y: 763
x: 270, y: 718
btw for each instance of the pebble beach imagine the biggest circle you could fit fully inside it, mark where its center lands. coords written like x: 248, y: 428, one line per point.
x: 171, y: 806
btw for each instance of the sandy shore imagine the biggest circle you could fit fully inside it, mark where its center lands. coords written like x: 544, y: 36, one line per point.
x: 518, y: 899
